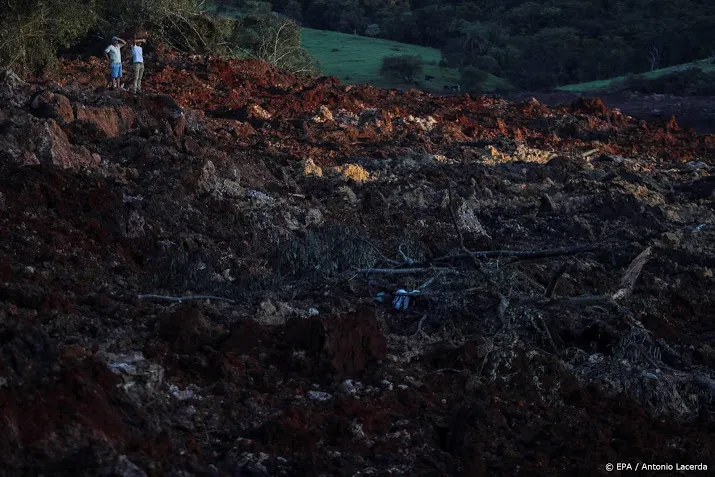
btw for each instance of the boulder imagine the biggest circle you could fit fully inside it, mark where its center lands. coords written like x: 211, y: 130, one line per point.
x: 13, y: 90
x: 113, y: 121
x: 53, y: 147
x: 30, y: 141
x: 53, y: 106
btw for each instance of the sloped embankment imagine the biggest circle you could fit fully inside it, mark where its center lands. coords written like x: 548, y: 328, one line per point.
x: 294, y: 203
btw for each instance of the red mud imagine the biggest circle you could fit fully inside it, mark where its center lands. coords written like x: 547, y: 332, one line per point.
x: 233, y: 179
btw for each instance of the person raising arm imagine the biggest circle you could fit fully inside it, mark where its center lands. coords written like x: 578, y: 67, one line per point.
x: 113, y: 54
x: 138, y: 62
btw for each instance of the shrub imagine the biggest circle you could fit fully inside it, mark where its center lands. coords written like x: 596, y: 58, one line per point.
x: 182, y: 24
x: 372, y: 29
x: 487, y: 63
x: 473, y: 79
x: 404, y: 67
x: 688, y: 81
x: 32, y: 31
x: 275, y: 40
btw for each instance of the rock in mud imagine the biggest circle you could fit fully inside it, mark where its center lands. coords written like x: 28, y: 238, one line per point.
x: 28, y: 141
x: 53, y: 106
x: 112, y: 121
x: 126, y: 468
x: 319, y: 396
x: 310, y: 168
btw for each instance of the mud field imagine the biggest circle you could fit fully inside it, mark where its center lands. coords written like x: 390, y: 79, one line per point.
x: 696, y: 112
x: 560, y: 264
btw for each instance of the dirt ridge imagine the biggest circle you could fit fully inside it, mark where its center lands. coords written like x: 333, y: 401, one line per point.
x: 307, y: 204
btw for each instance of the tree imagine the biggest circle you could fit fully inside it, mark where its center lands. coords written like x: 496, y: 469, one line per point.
x: 372, y: 29
x: 31, y: 31
x: 182, y: 24
x: 654, y: 56
x: 279, y: 45
x: 473, y: 79
x: 402, y: 67
x: 272, y: 38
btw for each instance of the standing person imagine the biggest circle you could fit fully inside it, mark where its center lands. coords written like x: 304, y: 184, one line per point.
x: 113, y: 53
x: 138, y: 61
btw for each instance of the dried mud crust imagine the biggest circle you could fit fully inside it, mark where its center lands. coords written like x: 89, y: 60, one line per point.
x: 232, y: 179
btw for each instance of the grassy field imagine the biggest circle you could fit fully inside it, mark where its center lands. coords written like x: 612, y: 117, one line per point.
x: 705, y: 65
x: 357, y: 59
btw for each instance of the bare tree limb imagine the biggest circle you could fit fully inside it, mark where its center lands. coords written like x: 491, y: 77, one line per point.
x: 399, y: 271
x: 180, y: 299
x: 407, y: 259
x: 379, y: 252
x: 521, y: 254
x: 453, y: 214
x: 632, y: 273
x: 626, y: 286
x: 555, y: 280
x: 419, y: 327
x: 503, y: 305
x: 548, y: 334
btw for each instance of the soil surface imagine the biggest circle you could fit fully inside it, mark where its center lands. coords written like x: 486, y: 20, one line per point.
x: 697, y: 112
x: 293, y: 214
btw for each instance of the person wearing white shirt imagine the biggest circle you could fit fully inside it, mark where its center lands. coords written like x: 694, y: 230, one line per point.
x: 113, y: 53
x: 138, y: 61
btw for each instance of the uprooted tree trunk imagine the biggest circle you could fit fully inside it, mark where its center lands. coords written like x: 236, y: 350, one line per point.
x: 625, y: 289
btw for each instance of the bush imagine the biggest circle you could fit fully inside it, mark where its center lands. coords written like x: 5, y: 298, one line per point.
x: 403, y: 67
x: 487, y: 63
x: 473, y: 79
x: 32, y: 31
x: 689, y: 81
x: 181, y: 24
x: 275, y: 40
x: 372, y: 29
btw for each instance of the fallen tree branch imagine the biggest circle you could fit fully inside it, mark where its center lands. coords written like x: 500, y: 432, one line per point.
x: 398, y: 271
x: 180, y: 299
x: 377, y: 249
x: 419, y: 327
x: 453, y: 214
x: 501, y: 309
x: 555, y: 280
x: 632, y: 273
x: 407, y: 259
x: 548, y: 334
x: 626, y: 286
x: 521, y: 254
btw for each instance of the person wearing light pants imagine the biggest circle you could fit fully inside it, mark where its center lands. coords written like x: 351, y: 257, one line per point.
x: 138, y: 60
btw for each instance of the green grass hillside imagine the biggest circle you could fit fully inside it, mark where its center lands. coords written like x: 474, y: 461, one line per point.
x: 594, y: 86
x: 357, y: 59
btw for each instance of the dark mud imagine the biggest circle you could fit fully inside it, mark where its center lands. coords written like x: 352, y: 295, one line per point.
x: 235, y: 180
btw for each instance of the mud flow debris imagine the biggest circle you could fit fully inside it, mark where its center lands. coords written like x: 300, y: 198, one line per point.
x: 189, y: 279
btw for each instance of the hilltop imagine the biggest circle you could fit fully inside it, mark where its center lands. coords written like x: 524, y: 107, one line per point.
x: 578, y: 333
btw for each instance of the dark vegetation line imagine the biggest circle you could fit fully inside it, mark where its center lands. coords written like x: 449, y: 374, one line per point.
x: 533, y: 44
